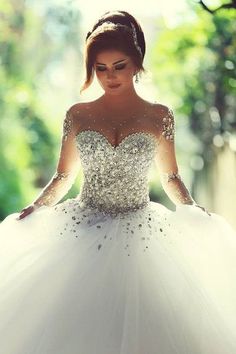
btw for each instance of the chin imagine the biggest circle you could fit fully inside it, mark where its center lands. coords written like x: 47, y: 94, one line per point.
x: 112, y: 92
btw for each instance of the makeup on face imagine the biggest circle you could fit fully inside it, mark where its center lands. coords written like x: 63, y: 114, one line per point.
x: 119, y: 65
x: 113, y: 86
x: 110, y: 73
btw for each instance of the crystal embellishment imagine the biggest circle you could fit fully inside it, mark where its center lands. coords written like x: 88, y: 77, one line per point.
x: 171, y: 176
x: 168, y: 127
x: 115, y: 177
x: 67, y: 125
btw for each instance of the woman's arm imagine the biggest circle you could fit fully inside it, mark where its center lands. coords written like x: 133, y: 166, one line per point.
x: 67, y: 168
x: 166, y: 162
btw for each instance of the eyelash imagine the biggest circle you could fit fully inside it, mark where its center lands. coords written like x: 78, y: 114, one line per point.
x: 117, y: 68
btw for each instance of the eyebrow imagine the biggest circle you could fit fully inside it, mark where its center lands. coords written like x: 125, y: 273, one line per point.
x: 119, y: 61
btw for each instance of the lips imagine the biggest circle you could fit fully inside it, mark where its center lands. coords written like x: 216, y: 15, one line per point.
x: 114, y: 85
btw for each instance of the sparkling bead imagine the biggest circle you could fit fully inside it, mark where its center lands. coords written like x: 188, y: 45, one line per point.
x: 168, y: 176
x: 67, y: 125
x: 115, y: 177
x: 168, y: 125
x: 61, y: 175
x: 51, y: 193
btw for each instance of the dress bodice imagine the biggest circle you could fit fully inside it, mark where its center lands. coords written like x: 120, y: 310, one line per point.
x: 115, y: 178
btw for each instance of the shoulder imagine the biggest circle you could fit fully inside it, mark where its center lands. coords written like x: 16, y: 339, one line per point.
x: 75, y: 114
x: 161, y: 111
x: 158, y: 111
x: 163, y: 119
x: 70, y: 121
x: 75, y: 110
x: 79, y: 108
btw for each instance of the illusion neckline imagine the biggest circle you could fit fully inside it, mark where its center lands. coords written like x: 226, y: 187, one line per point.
x: 152, y: 135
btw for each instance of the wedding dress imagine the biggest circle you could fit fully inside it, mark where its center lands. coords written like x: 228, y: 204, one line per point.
x: 111, y: 272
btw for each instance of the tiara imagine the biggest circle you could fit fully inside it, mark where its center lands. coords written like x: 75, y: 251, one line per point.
x: 136, y: 40
x: 133, y: 30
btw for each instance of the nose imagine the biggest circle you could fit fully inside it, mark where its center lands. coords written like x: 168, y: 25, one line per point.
x: 110, y: 73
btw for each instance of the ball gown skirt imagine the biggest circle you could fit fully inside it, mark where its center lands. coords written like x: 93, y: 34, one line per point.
x: 152, y: 281
x: 77, y: 280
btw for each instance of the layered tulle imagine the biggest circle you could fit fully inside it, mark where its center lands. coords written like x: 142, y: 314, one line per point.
x: 149, y: 281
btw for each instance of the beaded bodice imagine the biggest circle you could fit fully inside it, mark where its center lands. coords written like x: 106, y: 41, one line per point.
x: 115, y: 177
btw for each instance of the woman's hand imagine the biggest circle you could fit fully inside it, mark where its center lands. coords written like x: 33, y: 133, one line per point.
x: 201, y: 207
x: 26, y: 211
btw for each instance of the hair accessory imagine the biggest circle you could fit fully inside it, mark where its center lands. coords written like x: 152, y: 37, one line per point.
x: 133, y: 30
x: 136, y: 40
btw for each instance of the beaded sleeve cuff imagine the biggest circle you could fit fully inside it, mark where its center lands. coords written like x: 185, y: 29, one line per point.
x: 170, y: 176
x: 55, y: 189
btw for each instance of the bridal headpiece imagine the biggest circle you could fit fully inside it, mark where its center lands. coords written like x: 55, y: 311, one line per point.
x: 107, y: 24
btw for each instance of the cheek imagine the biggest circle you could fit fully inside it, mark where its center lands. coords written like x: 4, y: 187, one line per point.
x: 128, y: 73
x: 124, y: 74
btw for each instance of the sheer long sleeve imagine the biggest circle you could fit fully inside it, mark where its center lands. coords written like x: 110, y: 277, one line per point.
x: 67, y: 168
x: 166, y: 163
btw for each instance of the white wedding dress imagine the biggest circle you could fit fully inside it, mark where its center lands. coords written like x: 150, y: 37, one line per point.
x: 111, y: 272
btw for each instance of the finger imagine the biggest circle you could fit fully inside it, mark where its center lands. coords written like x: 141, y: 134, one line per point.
x: 24, y: 214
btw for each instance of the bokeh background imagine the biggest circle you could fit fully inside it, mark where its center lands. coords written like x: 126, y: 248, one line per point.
x: 191, y: 67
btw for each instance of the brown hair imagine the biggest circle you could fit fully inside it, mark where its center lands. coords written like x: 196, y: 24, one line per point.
x: 113, y: 30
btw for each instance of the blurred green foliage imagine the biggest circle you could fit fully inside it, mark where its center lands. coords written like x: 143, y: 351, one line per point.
x: 30, y: 40
x: 193, y: 66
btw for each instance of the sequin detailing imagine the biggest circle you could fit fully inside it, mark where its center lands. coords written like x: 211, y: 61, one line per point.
x: 178, y: 191
x: 46, y: 198
x: 168, y: 126
x: 137, y: 230
x: 61, y: 175
x: 115, y: 178
x: 171, y: 176
x: 67, y: 125
x: 60, y: 184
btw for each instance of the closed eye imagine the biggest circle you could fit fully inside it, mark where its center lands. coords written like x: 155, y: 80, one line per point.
x: 118, y: 67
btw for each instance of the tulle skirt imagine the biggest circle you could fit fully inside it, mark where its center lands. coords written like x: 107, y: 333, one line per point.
x: 151, y: 281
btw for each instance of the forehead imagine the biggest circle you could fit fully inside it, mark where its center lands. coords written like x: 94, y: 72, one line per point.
x: 110, y: 56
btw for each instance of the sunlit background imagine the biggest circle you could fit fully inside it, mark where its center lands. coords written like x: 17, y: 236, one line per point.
x: 190, y: 62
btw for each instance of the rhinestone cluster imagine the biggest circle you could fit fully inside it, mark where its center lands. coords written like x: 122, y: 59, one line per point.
x: 139, y: 229
x: 171, y: 176
x: 168, y: 126
x: 67, y: 125
x: 115, y: 178
x: 60, y: 183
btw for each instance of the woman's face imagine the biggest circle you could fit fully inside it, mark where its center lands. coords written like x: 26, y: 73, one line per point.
x: 114, y: 67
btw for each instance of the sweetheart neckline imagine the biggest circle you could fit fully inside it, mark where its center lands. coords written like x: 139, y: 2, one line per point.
x: 152, y: 135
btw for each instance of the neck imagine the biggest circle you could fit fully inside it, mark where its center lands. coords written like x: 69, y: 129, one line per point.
x: 120, y: 101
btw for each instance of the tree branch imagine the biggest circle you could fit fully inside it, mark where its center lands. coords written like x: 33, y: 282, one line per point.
x: 229, y: 5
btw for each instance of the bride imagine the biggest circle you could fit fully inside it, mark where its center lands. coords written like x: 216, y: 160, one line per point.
x: 109, y: 271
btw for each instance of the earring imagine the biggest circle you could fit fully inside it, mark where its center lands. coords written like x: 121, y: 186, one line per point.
x: 136, y: 78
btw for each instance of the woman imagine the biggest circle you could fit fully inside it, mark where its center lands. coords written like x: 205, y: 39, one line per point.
x: 110, y: 271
